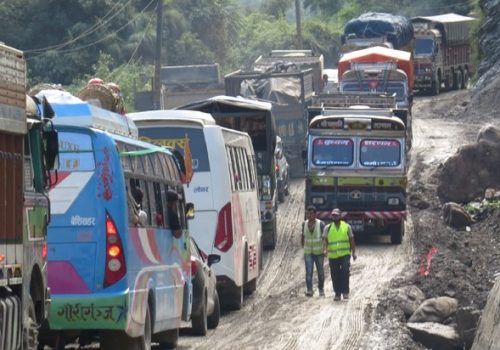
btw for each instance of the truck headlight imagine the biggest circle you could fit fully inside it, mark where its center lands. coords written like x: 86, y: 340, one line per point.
x: 393, y: 201
x: 318, y: 200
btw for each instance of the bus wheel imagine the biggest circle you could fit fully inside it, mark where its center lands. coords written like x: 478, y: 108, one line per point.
x: 30, y: 334
x: 199, y: 322
x: 236, y: 300
x: 168, y: 339
x: 120, y: 340
x: 397, y: 231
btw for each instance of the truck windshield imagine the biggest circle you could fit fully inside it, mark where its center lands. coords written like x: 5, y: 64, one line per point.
x: 380, y: 153
x: 390, y: 87
x: 332, y: 152
x: 424, y: 46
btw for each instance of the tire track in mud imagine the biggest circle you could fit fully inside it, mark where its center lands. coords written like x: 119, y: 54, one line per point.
x: 279, y: 316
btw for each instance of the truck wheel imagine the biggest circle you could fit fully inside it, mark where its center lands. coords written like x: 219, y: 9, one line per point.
x: 436, y: 86
x: 236, y: 298
x: 467, y: 82
x: 30, y: 334
x: 397, y: 231
x: 463, y: 82
x: 168, y: 339
x: 460, y: 80
x: 199, y: 322
x: 454, y: 85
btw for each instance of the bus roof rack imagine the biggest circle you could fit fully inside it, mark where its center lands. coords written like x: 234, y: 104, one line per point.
x: 70, y: 110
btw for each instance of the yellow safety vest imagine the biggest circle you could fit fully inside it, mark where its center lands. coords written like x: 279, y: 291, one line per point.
x: 338, y: 241
x: 313, y: 242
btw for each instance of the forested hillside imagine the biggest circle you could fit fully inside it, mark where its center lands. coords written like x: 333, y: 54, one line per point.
x: 66, y: 41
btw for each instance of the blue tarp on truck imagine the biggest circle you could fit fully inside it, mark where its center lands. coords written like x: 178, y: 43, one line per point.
x: 397, y: 29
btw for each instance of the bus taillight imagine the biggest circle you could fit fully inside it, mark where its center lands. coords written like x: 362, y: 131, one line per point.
x: 115, y: 260
x: 224, y: 233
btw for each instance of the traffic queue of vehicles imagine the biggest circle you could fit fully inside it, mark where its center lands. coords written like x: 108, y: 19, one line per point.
x: 91, y: 244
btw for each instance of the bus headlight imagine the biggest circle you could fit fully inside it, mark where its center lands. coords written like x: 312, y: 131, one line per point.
x: 393, y: 201
x: 318, y: 200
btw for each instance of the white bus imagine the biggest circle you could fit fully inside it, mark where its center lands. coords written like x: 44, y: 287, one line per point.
x: 224, y: 188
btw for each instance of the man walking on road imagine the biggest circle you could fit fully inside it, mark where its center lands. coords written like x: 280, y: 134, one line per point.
x: 314, y: 248
x: 339, y: 239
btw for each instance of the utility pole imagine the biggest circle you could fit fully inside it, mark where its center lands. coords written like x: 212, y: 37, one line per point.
x: 299, y: 26
x: 156, y: 79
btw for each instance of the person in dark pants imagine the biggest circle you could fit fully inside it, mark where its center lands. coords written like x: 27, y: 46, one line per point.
x: 314, y: 251
x: 339, y: 240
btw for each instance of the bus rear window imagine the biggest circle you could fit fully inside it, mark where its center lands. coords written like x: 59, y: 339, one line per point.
x: 76, y: 152
x: 332, y: 152
x: 255, y: 126
x: 175, y: 137
x: 380, y: 153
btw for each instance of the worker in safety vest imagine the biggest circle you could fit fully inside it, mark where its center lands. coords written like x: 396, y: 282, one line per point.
x: 314, y: 250
x: 339, y: 241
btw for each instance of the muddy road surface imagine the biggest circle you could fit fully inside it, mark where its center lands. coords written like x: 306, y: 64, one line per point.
x: 279, y: 316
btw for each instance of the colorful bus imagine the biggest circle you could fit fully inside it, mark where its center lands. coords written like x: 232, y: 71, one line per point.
x: 224, y: 189
x: 115, y: 267
x: 356, y: 161
x: 255, y: 118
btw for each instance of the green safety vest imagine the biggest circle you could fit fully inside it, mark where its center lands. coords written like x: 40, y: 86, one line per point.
x: 338, y: 241
x: 313, y: 242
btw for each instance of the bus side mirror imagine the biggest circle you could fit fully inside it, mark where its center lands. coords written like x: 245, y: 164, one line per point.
x: 189, y: 211
x: 51, y: 141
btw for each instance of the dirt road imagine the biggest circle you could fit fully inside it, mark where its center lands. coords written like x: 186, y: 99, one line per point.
x: 279, y: 316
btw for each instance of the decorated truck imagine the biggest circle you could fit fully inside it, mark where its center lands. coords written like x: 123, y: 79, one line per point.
x: 28, y: 148
x: 380, y: 70
x: 378, y: 29
x: 356, y: 161
x: 442, y: 52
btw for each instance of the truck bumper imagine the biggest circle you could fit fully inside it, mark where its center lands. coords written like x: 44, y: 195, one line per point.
x: 368, y: 222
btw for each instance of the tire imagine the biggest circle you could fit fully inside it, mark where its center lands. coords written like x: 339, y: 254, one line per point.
x: 250, y: 286
x: 467, y: 82
x: 168, y: 339
x: 120, y: 339
x: 436, y: 86
x: 397, y: 232
x: 454, y: 85
x: 236, y: 299
x: 460, y: 80
x: 281, y: 196
x: 213, y: 319
x: 30, y: 330
x: 199, y: 322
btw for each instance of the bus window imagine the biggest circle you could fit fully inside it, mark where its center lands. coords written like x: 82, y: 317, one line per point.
x: 380, y: 153
x: 231, y: 169
x: 159, y: 217
x: 124, y: 158
x: 76, y: 152
x: 332, y: 152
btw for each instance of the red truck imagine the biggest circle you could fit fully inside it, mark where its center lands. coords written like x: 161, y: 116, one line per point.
x: 442, y: 52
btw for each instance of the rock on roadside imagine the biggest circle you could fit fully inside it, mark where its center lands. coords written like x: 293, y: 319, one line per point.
x: 435, y: 310
x: 435, y: 335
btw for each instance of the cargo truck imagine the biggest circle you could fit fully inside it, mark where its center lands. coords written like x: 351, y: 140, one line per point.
x: 356, y: 161
x: 378, y: 29
x: 442, y: 52
x: 28, y: 149
x: 290, y: 94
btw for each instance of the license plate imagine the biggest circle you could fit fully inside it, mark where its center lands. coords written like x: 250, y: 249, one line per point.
x: 356, y: 225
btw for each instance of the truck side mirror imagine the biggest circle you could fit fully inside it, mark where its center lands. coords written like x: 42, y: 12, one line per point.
x: 189, y: 211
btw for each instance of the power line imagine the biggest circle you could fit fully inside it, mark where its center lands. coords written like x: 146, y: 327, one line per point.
x: 101, y: 22
x: 110, y: 35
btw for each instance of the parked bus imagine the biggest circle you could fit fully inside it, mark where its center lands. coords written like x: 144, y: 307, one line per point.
x: 255, y: 118
x: 224, y: 189
x: 356, y: 161
x: 28, y: 148
x: 115, y: 267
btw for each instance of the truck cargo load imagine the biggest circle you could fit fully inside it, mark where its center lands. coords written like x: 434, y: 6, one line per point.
x: 378, y: 28
x: 442, y: 52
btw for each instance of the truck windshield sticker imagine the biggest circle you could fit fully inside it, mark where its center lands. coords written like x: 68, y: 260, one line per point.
x: 175, y: 137
x: 332, y: 152
x: 75, y: 152
x: 380, y: 153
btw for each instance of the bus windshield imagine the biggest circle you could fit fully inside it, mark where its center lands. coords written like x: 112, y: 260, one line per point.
x: 76, y: 152
x: 332, y: 152
x: 390, y: 87
x: 380, y: 153
x: 175, y: 137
